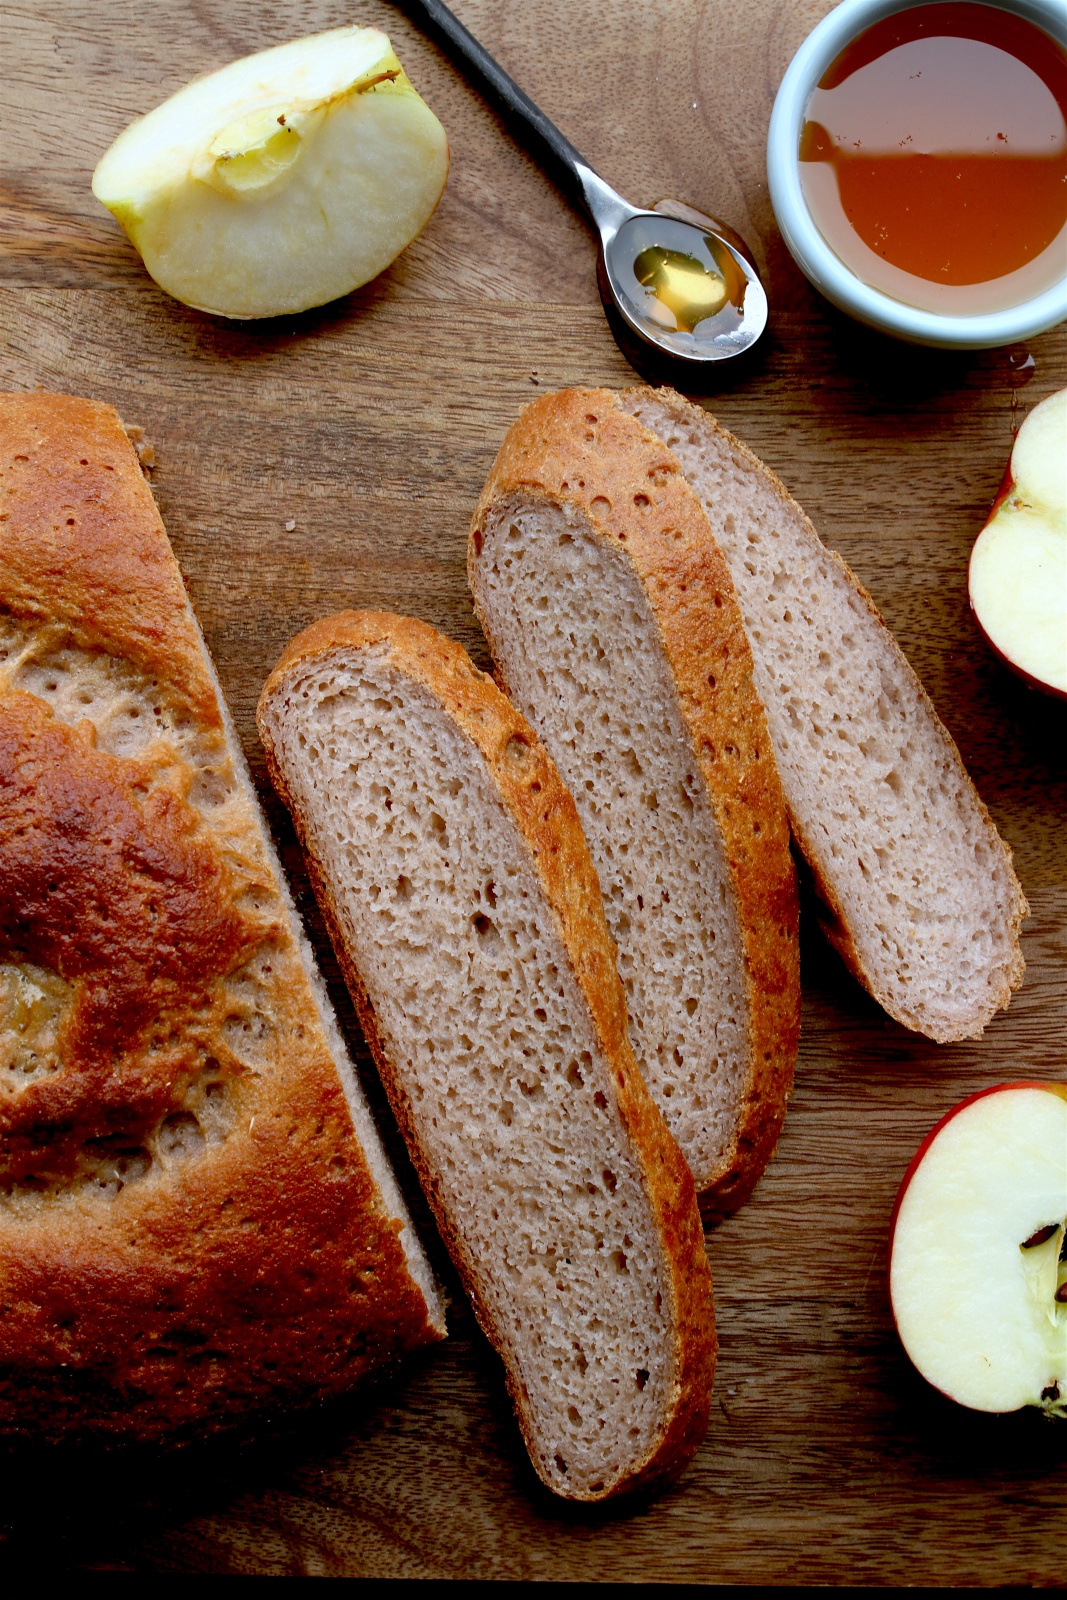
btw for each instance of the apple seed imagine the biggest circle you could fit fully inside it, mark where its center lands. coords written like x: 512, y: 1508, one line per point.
x: 1040, y: 1237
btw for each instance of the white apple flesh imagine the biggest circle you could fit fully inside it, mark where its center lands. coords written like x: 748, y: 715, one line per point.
x: 281, y: 181
x: 975, y: 1274
x: 1018, y: 571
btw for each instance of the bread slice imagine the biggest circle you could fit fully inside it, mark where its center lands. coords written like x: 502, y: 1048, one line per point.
x: 197, y: 1218
x: 920, y: 895
x: 612, y: 621
x: 450, y: 863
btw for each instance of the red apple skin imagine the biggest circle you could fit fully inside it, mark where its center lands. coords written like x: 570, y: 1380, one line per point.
x: 998, y: 1088
x: 1028, y: 678
x: 1007, y: 484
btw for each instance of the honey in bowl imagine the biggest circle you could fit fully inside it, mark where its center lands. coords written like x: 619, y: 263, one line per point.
x: 933, y: 158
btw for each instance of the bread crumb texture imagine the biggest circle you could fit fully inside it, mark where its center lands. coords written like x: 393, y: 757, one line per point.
x: 190, y: 1227
x: 659, y: 855
x: 921, y: 896
x: 613, y: 624
x: 509, y: 1091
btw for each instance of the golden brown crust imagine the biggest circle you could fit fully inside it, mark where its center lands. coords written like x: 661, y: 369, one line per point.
x: 579, y: 448
x: 110, y: 883
x: 544, y: 813
x: 83, y: 544
x: 832, y: 918
x: 145, y: 1292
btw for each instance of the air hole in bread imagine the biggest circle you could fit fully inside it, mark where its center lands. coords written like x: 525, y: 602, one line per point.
x: 108, y: 1165
x: 180, y: 1136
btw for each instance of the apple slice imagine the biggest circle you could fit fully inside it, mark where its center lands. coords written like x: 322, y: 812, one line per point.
x: 976, y: 1270
x: 1018, y: 571
x: 281, y: 181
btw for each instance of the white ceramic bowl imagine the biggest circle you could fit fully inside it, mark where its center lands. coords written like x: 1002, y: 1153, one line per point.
x: 806, y: 244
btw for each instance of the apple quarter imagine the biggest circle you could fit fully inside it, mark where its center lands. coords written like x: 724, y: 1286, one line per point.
x: 281, y: 181
x: 1018, y: 570
x: 975, y: 1251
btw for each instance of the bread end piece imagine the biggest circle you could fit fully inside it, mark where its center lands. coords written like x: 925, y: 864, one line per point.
x: 197, y: 1219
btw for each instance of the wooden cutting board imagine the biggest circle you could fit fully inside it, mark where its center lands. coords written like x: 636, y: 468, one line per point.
x: 333, y: 460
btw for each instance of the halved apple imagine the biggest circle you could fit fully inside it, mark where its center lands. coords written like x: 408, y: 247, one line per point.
x: 281, y: 181
x: 1018, y: 571
x: 978, y: 1267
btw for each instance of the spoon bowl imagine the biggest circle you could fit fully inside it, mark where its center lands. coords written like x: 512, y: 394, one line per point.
x: 683, y: 288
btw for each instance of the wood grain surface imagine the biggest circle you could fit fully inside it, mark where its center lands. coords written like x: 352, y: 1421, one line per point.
x: 333, y: 460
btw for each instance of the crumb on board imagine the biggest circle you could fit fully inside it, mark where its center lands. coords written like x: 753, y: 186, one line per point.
x: 290, y: 525
x: 146, y: 453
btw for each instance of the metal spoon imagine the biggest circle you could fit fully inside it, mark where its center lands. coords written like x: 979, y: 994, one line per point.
x: 682, y: 283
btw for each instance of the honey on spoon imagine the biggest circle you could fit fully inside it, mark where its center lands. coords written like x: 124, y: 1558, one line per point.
x: 679, y: 285
x: 681, y: 282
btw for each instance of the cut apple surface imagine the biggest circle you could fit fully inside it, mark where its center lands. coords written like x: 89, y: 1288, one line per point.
x: 978, y: 1266
x: 281, y: 181
x: 1018, y: 570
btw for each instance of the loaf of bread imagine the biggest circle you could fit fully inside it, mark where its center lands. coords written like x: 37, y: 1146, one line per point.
x: 919, y: 892
x: 452, y: 869
x: 613, y: 623
x: 197, y: 1218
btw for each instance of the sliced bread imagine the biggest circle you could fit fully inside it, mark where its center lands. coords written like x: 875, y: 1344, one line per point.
x: 452, y: 869
x: 197, y: 1217
x: 920, y: 895
x: 613, y: 623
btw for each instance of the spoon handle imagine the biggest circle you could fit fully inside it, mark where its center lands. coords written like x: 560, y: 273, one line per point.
x: 549, y: 147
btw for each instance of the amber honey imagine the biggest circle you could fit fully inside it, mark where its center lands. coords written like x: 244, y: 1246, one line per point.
x: 933, y: 157
x: 686, y: 288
